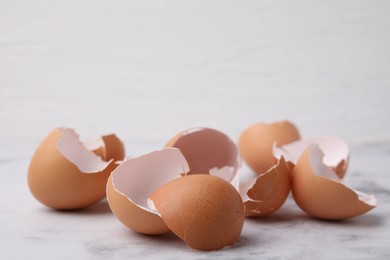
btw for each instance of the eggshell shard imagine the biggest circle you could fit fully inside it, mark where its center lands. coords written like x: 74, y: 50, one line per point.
x: 205, y: 211
x: 64, y: 174
x: 336, y: 152
x: 268, y: 192
x: 134, y: 180
x: 255, y: 143
x: 320, y: 192
x: 209, y: 151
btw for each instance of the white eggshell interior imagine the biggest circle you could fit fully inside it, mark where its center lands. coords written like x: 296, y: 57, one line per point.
x: 93, y: 144
x: 137, y: 178
x: 210, y: 151
x: 320, y: 169
x: 73, y: 150
x: 335, y: 150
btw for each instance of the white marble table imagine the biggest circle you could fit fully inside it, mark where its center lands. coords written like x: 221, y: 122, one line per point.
x: 32, y: 231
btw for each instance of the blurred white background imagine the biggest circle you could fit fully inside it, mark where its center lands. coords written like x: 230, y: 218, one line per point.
x: 149, y: 69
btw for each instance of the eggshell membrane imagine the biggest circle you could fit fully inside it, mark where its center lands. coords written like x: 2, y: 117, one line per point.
x: 336, y: 152
x: 209, y: 151
x: 255, y: 143
x: 63, y: 174
x: 205, y: 211
x: 107, y: 147
x: 268, y: 192
x: 96, y: 145
x: 134, y: 180
x: 320, y: 192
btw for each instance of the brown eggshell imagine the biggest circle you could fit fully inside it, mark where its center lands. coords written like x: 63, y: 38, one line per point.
x: 63, y: 174
x: 113, y: 148
x: 209, y: 151
x: 255, y: 143
x: 268, y: 192
x: 320, y: 192
x: 134, y: 180
x: 336, y: 152
x: 205, y: 211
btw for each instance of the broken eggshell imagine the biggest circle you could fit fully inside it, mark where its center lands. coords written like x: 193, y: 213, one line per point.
x: 205, y: 211
x: 320, y: 192
x: 209, y: 151
x: 268, y: 192
x: 256, y: 142
x: 107, y: 147
x: 336, y: 152
x: 130, y: 185
x: 64, y: 174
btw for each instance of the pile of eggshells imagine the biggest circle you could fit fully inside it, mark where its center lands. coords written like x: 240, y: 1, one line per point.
x: 191, y: 186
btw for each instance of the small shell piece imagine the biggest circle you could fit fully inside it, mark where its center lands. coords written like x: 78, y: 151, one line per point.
x: 130, y: 185
x: 320, y: 192
x: 256, y: 142
x: 205, y: 211
x: 268, y: 192
x: 209, y: 151
x: 64, y: 174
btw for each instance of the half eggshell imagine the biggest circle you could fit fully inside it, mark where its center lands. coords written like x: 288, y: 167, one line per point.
x: 209, y: 151
x: 256, y: 142
x: 64, y: 174
x: 321, y: 193
x: 268, y: 192
x: 205, y: 211
x: 130, y: 185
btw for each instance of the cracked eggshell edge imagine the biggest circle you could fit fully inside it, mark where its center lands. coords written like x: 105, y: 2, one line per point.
x: 321, y: 193
x: 131, y: 183
x: 268, y: 192
x: 336, y: 152
x: 201, y: 144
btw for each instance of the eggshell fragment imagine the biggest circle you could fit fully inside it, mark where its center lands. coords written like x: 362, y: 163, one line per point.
x: 320, y: 192
x: 205, y: 211
x: 336, y: 152
x: 64, y: 174
x: 255, y: 143
x: 209, y: 151
x: 268, y: 192
x: 130, y: 185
